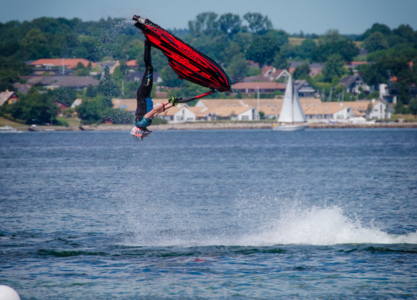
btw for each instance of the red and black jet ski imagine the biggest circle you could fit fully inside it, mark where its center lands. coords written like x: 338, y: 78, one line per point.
x: 187, y: 62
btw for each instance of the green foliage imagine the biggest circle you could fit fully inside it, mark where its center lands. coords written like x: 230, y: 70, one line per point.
x: 258, y: 23
x: 261, y: 115
x: 96, y: 110
x: 346, y: 49
x: 238, y: 68
x: 64, y: 95
x: 68, y: 112
x: 34, y: 108
x: 375, y: 41
x: 331, y: 36
x: 412, y: 107
x: 158, y: 121
x: 107, y: 86
x: 91, y: 91
x: 262, y: 50
x: 302, y: 72
x: 400, y: 109
x: 280, y: 62
x: 333, y: 67
x: 254, y: 71
x: 9, y: 75
x: 170, y: 78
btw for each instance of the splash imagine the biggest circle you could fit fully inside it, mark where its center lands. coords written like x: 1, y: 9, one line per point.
x: 265, y: 223
x: 322, y: 226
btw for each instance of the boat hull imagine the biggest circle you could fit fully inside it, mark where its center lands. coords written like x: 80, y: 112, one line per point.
x: 289, y: 127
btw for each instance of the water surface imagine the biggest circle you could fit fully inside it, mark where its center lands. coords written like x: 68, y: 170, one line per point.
x: 209, y: 214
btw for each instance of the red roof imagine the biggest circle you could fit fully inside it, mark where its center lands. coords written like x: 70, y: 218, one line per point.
x: 70, y: 63
x: 132, y: 63
x: 261, y: 85
x: 266, y: 69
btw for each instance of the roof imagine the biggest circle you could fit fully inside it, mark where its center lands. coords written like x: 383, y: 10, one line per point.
x: 257, y: 78
x: 69, y: 81
x: 4, y: 96
x: 70, y: 63
x: 199, y: 111
x: 348, y: 80
x: 132, y: 63
x: 22, y: 87
x: 266, y: 69
x: 260, y: 85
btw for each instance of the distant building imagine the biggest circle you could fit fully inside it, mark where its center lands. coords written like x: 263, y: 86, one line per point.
x: 61, y: 106
x: 354, y: 65
x: 22, y: 87
x: 271, y: 74
x: 112, y: 65
x: 264, y: 87
x: 353, y: 83
x: 8, y: 97
x: 315, y: 68
x: 76, y: 103
x: 53, y: 82
x: 137, y: 76
x: 55, y: 66
x: 133, y: 64
x: 304, y: 89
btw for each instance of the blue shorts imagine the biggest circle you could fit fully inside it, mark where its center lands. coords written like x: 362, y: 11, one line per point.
x: 142, y: 123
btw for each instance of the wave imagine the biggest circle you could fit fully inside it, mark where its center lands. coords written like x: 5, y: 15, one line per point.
x: 295, y: 225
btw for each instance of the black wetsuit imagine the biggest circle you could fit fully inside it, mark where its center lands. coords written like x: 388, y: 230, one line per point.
x: 143, y: 94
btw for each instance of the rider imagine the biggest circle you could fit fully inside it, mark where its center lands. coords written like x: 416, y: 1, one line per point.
x: 145, y: 111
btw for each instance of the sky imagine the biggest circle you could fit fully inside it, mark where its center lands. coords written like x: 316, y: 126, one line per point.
x: 349, y: 17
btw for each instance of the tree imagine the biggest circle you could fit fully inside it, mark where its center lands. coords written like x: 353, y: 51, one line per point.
x: 280, y: 62
x: 333, y: 67
x: 384, y: 29
x: 230, y: 23
x: 263, y: 50
x: 375, y: 42
x: 331, y: 36
x: 204, y: 23
x: 258, y: 23
x: 107, y: 86
x: 170, y: 77
x: 81, y: 70
x: 243, y: 39
x: 369, y: 109
x: 412, y: 107
x: 305, y: 49
x: 238, y: 68
x: 346, y: 49
x: 302, y: 72
x: 64, y: 95
x: 9, y: 75
x: 91, y: 91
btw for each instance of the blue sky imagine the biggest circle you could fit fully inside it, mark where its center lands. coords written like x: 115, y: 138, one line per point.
x: 353, y: 16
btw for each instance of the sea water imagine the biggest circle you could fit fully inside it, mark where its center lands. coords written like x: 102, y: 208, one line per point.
x: 209, y: 214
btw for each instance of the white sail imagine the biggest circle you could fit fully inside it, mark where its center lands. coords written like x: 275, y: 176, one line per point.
x: 299, y: 115
x: 291, y: 108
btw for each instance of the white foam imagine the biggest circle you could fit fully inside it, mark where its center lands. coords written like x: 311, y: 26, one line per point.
x: 322, y: 226
x: 294, y: 224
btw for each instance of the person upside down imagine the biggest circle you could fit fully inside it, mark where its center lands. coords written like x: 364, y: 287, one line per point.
x: 145, y: 112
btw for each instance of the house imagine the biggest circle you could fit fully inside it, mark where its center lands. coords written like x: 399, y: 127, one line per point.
x: 137, y: 76
x: 133, y: 64
x: 56, y: 66
x: 353, y: 84
x: 76, y: 103
x: 22, y: 87
x: 390, y: 92
x: 315, y: 68
x: 272, y: 74
x: 354, y: 65
x: 75, y: 82
x: 304, y: 89
x: 8, y: 97
x: 61, y: 106
x: 263, y: 87
x: 112, y: 65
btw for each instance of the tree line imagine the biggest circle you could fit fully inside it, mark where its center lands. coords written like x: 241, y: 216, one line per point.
x: 229, y: 39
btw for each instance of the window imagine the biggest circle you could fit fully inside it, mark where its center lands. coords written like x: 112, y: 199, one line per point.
x: 190, y: 119
x: 340, y: 116
x: 245, y: 118
x: 180, y: 118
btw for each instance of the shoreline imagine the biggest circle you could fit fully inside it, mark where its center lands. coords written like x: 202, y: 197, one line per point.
x: 220, y: 126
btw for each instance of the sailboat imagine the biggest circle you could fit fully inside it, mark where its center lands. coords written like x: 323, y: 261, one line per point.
x: 292, y: 116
